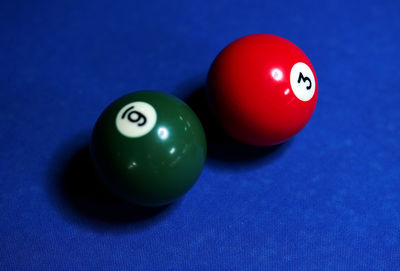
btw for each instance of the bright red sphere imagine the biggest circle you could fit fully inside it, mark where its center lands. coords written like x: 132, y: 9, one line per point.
x: 263, y: 89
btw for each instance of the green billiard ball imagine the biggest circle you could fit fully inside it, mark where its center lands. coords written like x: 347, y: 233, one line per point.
x: 149, y: 147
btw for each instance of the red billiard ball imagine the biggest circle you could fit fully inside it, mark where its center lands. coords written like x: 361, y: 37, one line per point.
x: 263, y: 89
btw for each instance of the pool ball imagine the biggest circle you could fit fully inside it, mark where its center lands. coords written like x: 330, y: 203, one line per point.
x: 149, y: 147
x: 263, y: 89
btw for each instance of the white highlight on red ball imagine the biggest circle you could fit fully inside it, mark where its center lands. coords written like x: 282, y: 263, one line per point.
x: 277, y: 74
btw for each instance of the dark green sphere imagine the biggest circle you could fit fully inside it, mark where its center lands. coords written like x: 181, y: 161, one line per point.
x: 149, y: 147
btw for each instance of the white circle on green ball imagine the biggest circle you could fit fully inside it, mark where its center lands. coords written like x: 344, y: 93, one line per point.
x: 302, y: 81
x: 136, y: 119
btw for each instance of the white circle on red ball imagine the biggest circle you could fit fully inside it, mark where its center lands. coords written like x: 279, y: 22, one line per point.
x: 302, y: 81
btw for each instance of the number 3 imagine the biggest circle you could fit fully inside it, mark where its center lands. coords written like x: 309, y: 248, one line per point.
x: 305, y: 79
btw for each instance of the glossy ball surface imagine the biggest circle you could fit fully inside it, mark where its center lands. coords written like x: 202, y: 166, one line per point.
x: 149, y: 147
x: 263, y: 89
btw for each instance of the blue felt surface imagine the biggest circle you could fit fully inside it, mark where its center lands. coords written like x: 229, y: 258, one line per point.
x: 327, y: 200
